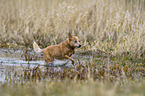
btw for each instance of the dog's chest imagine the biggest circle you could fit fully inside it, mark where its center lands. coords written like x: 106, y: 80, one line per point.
x: 70, y: 53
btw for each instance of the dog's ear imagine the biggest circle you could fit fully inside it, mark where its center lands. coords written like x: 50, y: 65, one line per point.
x: 76, y: 33
x: 69, y: 35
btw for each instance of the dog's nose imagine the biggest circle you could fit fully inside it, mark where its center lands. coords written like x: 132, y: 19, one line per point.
x: 80, y: 45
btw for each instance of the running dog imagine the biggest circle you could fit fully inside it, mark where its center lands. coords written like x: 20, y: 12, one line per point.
x: 61, y: 51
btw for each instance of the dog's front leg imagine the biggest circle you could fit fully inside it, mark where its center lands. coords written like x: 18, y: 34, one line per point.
x: 70, y: 59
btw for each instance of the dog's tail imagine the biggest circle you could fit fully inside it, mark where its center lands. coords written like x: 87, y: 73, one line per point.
x: 36, y: 47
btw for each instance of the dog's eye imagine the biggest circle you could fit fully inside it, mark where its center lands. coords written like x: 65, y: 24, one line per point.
x: 75, y: 41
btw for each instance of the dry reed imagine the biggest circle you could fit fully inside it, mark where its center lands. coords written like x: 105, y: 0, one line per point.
x: 114, y: 26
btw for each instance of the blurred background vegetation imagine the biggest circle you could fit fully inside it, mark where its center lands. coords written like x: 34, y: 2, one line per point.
x: 114, y: 26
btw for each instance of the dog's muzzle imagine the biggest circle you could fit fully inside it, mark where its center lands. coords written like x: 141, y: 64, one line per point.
x: 79, y: 46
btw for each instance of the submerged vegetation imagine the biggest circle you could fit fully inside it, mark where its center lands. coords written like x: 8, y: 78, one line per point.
x: 111, y: 61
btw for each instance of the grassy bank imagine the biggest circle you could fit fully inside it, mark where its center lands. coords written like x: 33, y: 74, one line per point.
x: 109, y: 25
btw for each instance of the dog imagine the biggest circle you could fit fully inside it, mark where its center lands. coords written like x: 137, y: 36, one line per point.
x: 61, y: 51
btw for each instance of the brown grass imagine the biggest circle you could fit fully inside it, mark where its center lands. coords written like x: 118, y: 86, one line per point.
x: 114, y: 26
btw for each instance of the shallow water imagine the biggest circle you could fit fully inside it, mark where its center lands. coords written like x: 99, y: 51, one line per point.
x: 7, y: 64
x: 9, y: 59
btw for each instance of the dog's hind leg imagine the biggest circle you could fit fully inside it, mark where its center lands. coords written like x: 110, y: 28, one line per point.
x: 66, y: 62
x: 48, y: 59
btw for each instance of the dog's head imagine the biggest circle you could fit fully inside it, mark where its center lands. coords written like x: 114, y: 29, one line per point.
x: 74, y: 41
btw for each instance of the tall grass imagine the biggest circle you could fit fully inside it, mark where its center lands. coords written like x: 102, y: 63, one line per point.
x: 114, y: 26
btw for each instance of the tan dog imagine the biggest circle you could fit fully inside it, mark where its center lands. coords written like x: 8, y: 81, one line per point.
x: 61, y: 51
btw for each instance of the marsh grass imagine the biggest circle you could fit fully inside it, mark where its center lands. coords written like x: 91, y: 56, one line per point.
x: 93, y: 78
x: 114, y: 26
